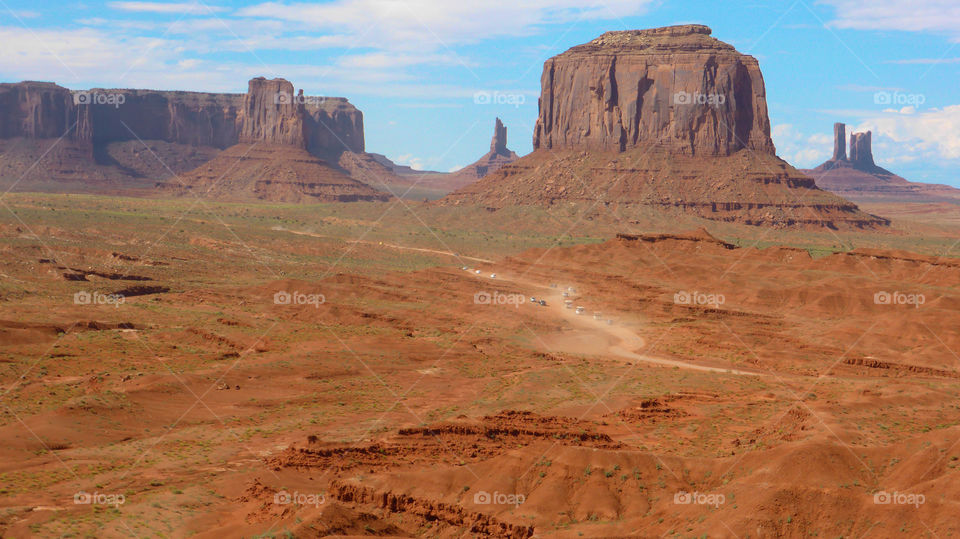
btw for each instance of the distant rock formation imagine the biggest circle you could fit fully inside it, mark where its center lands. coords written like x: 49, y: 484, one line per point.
x: 668, y: 120
x: 98, y: 136
x: 268, y: 112
x: 861, y: 153
x: 861, y: 180
x: 36, y: 110
x: 272, y: 113
x: 839, y: 142
x: 676, y: 87
x: 498, y: 145
x: 498, y: 156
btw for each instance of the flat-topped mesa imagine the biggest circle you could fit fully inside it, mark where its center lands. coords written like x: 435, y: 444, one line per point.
x: 269, y: 112
x: 861, y: 151
x: 676, y: 87
x: 839, y: 142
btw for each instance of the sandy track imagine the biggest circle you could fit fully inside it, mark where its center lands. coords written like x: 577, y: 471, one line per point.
x: 605, y: 339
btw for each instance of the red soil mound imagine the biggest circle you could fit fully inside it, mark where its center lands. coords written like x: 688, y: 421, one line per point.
x: 252, y: 172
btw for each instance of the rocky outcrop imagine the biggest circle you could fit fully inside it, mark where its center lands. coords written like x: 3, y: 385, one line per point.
x: 434, y: 511
x: 668, y: 120
x: 37, y: 110
x: 839, y: 142
x: 272, y: 113
x: 861, y: 153
x: 861, y: 180
x: 124, y: 140
x: 675, y: 87
x: 324, y: 126
x: 269, y: 112
x: 498, y: 144
x: 498, y: 156
x: 189, y: 118
x: 332, y: 125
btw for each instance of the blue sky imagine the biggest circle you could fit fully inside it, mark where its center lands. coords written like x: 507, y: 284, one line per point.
x: 423, y: 71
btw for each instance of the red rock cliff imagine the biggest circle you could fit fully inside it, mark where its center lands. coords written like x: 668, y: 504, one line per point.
x: 269, y: 112
x: 676, y: 86
x: 37, y: 110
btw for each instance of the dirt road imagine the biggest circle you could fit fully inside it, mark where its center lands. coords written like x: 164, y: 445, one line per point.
x: 594, y: 336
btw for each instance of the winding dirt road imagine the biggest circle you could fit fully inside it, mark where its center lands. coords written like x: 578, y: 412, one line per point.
x: 592, y: 336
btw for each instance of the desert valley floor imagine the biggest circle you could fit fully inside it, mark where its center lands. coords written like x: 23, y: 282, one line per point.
x: 192, y: 367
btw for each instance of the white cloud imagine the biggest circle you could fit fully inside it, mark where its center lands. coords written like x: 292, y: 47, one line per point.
x: 902, y: 136
x: 70, y: 55
x: 914, y: 16
x: 907, y: 134
x: 174, y: 8
x: 800, y: 150
x: 438, y: 24
x: 385, y: 46
x: 384, y: 60
x: 410, y: 160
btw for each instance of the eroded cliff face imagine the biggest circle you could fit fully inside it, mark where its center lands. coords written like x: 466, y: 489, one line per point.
x: 272, y: 113
x: 675, y: 87
x: 36, y: 110
x: 667, y: 120
x: 191, y: 118
x: 269, y: 112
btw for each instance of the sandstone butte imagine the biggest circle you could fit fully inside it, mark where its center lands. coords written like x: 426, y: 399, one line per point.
x: 861, y: 180
x: 498, y: 156
x: 669, y: 119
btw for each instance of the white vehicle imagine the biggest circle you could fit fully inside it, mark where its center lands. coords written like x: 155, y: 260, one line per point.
x: 566, y: 294
x: 569, y: 305
x: 580, y: 310
x: 493, y: 275
x: 465, y: 268
x: 478, y: 272
x: 533, y: 299
x: 571, y: 289
x: 596, y: 316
